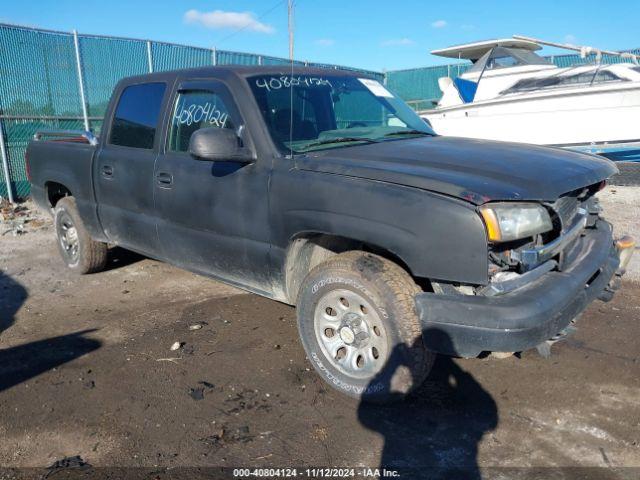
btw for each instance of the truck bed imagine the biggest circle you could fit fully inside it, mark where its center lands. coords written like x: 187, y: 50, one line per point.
x: 64, y: 158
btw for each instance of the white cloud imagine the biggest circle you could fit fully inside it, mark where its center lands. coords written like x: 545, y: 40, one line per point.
x: 325, y: 42
x: 396, y: 42
x: 439, y: 24
x: 570, y: 38
x: 218, y: 19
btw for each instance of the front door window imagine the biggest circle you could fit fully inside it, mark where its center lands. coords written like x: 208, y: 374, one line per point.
x: 195, y: 110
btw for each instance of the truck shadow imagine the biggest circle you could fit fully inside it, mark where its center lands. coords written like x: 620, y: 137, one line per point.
x: 436, y: 431
x: 12, y: 296
x: 23, y: 362
x: 119, y: 257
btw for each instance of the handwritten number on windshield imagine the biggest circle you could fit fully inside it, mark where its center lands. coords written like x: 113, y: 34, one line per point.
x: 276, y: 83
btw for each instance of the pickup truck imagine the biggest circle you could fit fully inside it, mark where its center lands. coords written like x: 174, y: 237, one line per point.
x: 324, y: 190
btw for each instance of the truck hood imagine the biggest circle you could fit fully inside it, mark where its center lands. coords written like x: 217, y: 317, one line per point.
x: 478, y: 171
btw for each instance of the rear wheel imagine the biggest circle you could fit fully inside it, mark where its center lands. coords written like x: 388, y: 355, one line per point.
x: 79, y: 251
x: 359, y: 327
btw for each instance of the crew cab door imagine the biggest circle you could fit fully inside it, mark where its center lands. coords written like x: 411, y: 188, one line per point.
x: 123, y: 170
x: 212, y: 215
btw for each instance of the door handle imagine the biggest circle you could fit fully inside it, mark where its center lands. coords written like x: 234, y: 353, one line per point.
x: 164, y: 179
x: 107, y: 171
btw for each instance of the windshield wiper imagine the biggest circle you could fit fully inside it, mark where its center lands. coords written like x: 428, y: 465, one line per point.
x: 409, y: 132
x: 329, y: 141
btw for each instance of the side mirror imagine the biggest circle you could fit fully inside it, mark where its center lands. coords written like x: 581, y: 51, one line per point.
x: 444, y: 83
x: 220, y: 144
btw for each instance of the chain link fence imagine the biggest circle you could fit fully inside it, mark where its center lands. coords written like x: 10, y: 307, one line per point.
x: 62, y: 80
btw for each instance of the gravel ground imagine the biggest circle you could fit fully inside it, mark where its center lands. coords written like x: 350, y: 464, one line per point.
x: 86, y: 370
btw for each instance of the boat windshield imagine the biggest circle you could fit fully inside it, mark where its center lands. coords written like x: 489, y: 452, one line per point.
x: 501, y: 57
x: 564, y: 79
x: 318, y: 112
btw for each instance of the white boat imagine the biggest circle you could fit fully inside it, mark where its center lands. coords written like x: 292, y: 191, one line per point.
x: 513, y: 94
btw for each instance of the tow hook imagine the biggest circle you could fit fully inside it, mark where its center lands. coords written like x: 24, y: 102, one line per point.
x: 624, y: 247
x: 544, y: 348
x: 614, y: 284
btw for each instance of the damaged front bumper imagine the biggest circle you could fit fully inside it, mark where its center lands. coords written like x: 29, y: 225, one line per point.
x: 529, y: 313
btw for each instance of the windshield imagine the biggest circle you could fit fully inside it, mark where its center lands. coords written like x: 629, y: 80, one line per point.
x: 501, y: 57
x: 305, y: 113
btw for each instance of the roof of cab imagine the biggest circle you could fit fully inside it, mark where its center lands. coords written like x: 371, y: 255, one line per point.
x: 226, y: 71
x: 473, y: 51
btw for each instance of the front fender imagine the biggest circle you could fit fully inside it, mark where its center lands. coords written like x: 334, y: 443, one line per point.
x: 437, y: 237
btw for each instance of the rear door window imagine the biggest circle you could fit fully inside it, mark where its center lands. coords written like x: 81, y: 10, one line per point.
x: 136, y: 119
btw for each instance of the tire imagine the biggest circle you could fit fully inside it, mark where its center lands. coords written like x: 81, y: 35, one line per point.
x: 78, y: 250
x: 364, y: 304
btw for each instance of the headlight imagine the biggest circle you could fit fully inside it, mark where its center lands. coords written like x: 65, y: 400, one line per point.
x: 511, y: 221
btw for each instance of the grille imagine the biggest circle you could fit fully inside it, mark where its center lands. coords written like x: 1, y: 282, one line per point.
x: 566, y: 208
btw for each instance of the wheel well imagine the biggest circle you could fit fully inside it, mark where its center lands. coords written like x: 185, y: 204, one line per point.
x: 311, y: 249
x: 55, y: 192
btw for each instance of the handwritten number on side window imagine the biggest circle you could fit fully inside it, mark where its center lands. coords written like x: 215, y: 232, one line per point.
x: 188, y: 114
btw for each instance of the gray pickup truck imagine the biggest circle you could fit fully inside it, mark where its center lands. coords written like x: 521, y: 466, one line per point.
x: 324, y: 190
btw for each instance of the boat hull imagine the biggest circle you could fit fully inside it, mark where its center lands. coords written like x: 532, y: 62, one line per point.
x: 575, y: 118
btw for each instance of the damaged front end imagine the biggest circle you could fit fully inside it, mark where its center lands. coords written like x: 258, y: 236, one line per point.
x: 537, y: 285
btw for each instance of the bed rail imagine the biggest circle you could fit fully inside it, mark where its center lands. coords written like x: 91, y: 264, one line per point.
x: 70, y: 135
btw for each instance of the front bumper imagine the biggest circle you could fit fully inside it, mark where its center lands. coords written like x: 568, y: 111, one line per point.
x: 466, y: 325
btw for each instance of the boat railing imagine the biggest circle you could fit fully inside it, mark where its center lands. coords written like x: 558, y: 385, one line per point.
x: 585, y: 51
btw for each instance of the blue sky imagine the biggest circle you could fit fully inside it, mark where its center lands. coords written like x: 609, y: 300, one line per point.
x: 374, y: 34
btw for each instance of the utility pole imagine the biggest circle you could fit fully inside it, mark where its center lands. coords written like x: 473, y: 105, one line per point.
x: 290, y: 16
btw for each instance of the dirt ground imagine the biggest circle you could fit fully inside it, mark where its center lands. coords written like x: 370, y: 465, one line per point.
x: 86, y: 370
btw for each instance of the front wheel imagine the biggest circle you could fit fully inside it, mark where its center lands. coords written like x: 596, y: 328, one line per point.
x: 79, y: 251
x: 359, y: 327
